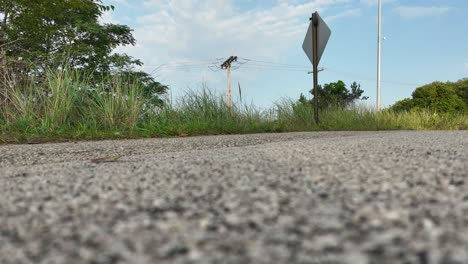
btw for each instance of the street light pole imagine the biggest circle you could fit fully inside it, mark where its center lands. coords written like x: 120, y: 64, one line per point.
x: 379, y: 58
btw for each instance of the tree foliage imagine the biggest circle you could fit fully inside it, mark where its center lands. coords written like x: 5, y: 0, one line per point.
x: 461, y: 88
x: 448, y: 97
x: 336, y: 95
x: 403, y: 105
x: 57, y: 34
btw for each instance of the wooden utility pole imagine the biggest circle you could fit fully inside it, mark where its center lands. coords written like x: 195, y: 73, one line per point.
x: 229, y: 85
x: 227, y: 65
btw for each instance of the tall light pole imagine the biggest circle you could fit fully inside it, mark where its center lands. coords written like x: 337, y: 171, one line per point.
x: 379, y: 58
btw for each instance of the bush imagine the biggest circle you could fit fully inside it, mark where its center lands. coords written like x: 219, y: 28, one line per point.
x: 437, y: 97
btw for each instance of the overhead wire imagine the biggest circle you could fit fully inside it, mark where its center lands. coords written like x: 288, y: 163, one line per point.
x: 253, y: 64
x: 176, y: 64
x: 183, y: 64
x: 283, y: 66
x: 274, y: 63
x: 273, y: 68
x: 366, y: 78
x: 277, y: 66
x: 242, y: 63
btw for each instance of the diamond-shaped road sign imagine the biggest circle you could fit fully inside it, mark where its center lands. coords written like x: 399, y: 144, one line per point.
x: 324, y: 34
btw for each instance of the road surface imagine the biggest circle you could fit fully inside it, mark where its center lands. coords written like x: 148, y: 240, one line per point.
x: 328, y: 197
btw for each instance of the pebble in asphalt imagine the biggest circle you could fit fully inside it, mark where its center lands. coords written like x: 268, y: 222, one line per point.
x: 328, y: 197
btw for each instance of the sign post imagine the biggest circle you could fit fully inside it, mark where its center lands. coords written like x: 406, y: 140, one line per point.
x: 314, y: 44
x: 315, y: 23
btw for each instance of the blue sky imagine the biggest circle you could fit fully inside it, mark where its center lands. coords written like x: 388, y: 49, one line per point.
x: 181, y: 42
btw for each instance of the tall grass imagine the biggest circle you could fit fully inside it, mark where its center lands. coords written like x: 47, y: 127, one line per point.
x: 204, y: 112
x: 70, y: 106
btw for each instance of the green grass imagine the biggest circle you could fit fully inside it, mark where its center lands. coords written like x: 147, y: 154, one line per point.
x: 67, y: 107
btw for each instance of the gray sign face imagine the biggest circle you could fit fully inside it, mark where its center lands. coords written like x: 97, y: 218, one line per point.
x: 324, y: 34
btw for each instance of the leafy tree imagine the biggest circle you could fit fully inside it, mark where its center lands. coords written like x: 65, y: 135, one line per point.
x: 403, y: 105
x: 303, y: 99
x: 55, y: 34
x: 461, y: 88
x: 438, y: 96
x: 151, y: 88
x: 46, y: 32
x: 336, y: 94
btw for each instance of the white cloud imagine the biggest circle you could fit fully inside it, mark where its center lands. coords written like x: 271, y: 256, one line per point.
x: 466, y: 66
x: 189, y: 30
x: 107, y: 18
x: 410, y: 12
x: 345, y: 14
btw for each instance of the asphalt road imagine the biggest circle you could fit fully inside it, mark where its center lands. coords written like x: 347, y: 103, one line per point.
x: 332, y: 197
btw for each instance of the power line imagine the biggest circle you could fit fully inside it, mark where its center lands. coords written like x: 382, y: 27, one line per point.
x: 252, y: 64
x: 178, y: 64
x: 274, y: 63
x: 188, y: 62
x: 366, y: 78
x: 272, y: 68
x: 241, y: 62
x: 174, y: 65
x: 277, y: 66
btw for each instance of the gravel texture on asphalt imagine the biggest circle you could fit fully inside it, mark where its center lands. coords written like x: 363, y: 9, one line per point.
x: 328, y: 197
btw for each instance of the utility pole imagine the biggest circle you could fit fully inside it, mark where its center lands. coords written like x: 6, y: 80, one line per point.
x: 379, y: 57
x: 227, y: 66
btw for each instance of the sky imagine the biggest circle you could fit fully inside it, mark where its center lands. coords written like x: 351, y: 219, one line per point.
x: 184, y: 42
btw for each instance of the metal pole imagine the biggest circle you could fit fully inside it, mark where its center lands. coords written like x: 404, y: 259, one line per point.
x: 315, y: 22
x: 379, y: 58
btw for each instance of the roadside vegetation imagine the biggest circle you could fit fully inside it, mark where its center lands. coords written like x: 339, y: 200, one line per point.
x: 66, y: 106
x: 60, y: 80
x: 440, y: 97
